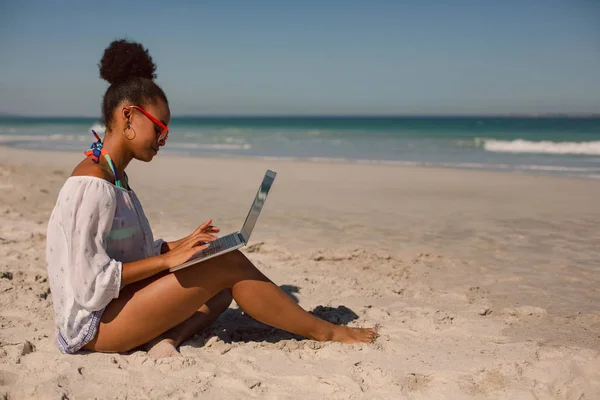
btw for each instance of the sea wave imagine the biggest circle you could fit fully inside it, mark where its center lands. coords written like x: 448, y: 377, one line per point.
x: 99, y: 128
x: 592, y: 171
x: 43, y: 138
x: 59, y: 137
x: 544, y: 147
x: 208, y: 146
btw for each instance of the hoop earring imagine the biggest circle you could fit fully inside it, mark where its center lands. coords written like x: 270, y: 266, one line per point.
x: 130, y: 128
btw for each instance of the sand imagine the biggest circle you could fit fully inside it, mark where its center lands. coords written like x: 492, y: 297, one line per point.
x: 484, y: 285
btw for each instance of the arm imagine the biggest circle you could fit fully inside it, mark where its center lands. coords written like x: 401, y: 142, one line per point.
x: 174, y: 255
x: 167, y: 246
x: 142, y: 269
x: 206, y: 227
x: 85, y: 210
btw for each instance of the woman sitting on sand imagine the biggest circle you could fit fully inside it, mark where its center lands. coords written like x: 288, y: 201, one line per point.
x: 109, y: 278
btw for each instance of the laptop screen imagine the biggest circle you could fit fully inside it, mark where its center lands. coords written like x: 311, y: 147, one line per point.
x: 257, y: 205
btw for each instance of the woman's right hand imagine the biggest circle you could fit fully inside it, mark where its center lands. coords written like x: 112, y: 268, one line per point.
x: 186, y: 248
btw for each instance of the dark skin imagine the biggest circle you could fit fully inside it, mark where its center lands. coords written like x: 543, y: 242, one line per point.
x: 160, y: 309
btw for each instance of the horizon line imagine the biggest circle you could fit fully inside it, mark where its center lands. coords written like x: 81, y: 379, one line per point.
x: 498, y: 115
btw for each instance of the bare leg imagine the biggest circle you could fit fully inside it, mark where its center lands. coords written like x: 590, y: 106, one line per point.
x: 143, y: 312
x: 166, y: 345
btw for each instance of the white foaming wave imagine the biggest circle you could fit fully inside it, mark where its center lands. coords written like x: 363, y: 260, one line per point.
x: 209, y: 146
x: 43, y: 138
x: 232, y: 130
x: 545, y: 146
x: 590, y: 172
x: 77, y: 138
x: 8, y: 130
x: 234, y: 140
x: 99, y: 128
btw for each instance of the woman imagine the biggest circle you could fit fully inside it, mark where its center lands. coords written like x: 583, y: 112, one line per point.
x: 109, y: 278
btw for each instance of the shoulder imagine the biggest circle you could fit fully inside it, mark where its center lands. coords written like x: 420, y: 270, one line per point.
x: 87, y: 181
x: 88, y: 168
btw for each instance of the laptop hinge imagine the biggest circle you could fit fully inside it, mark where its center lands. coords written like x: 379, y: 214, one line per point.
x: 241, y: 238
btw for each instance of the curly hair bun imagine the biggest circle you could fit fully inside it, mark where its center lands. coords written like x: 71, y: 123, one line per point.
x: 123, y: 60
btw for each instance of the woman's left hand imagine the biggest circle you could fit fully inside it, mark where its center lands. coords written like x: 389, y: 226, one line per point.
x: 206, y: 227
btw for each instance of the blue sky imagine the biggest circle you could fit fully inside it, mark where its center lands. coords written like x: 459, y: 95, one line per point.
x: 311, y: 57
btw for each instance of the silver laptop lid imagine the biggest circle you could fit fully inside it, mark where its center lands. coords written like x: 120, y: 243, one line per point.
x: 257, y: 205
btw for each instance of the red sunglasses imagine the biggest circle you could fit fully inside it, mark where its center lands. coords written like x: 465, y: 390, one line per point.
x: 162, y: 131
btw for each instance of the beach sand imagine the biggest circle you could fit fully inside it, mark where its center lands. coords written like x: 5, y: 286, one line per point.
x: 484, y: 285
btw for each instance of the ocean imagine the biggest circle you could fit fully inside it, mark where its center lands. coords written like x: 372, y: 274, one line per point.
x: 561, y: 146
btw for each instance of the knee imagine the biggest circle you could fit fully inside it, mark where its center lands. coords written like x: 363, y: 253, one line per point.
x: 221, y: 301
x: 237, y: 261
x: 235, y: 267
x: 238, y: 257
x: 226, y: 296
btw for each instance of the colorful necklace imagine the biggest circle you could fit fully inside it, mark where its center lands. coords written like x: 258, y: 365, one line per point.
x: 96, y: 150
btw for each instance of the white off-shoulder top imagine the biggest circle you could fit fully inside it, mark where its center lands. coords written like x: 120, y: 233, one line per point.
x: 94, y: 228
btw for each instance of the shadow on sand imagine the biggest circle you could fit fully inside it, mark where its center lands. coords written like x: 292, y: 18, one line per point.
x: 236, y: 326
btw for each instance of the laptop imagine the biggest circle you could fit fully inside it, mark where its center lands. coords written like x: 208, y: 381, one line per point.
x: 239, y: 239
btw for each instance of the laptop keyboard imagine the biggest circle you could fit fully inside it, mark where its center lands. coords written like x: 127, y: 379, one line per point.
x: 222, y: 243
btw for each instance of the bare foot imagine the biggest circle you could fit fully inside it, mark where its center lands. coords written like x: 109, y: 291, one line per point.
x: 344, y: 334
x: 162, y: 348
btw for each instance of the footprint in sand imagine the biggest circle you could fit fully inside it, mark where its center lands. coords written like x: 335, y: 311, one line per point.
x: 204, y: 380
x: 430, y: 321
x: 415, y: 382
x: 376, y: 314
x: 370, y: 377
x: 476, y: 294
x: 7, y: 378
x: 518, y: 314
x: 482, y: 382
